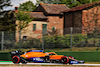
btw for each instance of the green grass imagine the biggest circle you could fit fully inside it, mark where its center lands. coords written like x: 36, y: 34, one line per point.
x: 5, y: 61
x: 58, y: 49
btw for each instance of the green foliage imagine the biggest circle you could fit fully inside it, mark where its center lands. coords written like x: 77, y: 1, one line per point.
x: 69, y: 3
x: 87, y: 1
x: 7, y: 22
x: 27, y: 6
x: 59, y: 41
x: 30, y: 43
x: 3, y: 4
x: 48, y: 1
x: 79, y: 38
x: 23, y: 18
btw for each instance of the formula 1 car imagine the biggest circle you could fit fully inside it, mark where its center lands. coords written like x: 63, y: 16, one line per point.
x: 39, y: 56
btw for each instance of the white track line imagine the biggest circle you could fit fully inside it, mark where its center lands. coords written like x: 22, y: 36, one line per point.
x: 88, y: 64
x: 33, y: 63
x: 52, y: 64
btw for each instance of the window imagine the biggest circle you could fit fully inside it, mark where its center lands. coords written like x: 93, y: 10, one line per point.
x: 44, y: 28
x: 24, y: 38
x: 53, y: 28
x: 34, y: 27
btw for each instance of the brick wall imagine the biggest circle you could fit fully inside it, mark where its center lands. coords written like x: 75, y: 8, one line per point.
x: 53, y: 21
x: 57, y: 22
x: 90, y: 19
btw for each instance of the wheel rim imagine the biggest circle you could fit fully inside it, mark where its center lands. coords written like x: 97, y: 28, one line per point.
x: 64, y: 60
x: 15, y: 59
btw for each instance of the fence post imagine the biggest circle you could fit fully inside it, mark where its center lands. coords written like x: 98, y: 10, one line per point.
x: 19, y: 39
x: 42, y: 41
x: 98, y: 46
x: 71, y: 30
x: 2, y: 41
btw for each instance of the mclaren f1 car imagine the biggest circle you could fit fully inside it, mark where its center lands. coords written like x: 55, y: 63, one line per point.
x: 40, y: 56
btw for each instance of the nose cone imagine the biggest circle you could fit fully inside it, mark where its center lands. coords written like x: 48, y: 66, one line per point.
x: 24, y: 56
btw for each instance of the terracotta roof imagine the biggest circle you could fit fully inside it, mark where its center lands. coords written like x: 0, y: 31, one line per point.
x: 81, y: 7
x: 54, y: 8
x: 38, y: 15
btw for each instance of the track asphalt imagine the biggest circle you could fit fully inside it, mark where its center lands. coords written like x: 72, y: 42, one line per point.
x: 10, y: 62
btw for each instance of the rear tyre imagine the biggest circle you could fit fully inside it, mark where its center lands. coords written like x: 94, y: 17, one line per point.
x: 16, y: 59
x: 46, y: 59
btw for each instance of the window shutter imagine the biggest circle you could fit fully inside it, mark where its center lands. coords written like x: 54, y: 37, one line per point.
x: 44, y: 28
x: 53, y: 28
x: 34, y: 27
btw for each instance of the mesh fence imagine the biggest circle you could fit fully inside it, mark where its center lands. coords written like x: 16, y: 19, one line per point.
x: 7, y: 39
x: 73, y: 37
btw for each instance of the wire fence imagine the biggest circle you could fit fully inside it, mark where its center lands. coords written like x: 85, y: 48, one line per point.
x: 72, y: 37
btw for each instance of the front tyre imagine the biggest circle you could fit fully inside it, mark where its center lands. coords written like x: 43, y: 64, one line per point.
x: 64, y: 60
x: 16, y: 59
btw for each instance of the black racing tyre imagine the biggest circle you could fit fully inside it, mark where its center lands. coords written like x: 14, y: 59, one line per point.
x: 46, y: 59
x: 16, y: 59
x: 64, y: 60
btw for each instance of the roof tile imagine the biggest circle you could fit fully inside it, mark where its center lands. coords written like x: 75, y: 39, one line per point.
x: 38, y: 15
x: 54, y: 8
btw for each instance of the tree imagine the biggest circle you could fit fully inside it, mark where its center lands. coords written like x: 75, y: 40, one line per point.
x: 27, y: 6
x: 6, y: 17
x: 23, y: 20
x: 74, y: 3
x: 69, y: 3
x: 49, y: 1
x: 87, y: 1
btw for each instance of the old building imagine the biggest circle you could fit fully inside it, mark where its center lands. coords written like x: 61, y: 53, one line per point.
x: 52, y: 12
x: 34, y: 28
x: 83, y: 18
x: 47, y: 18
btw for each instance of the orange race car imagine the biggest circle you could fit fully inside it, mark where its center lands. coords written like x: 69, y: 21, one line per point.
x: 39, y: 56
